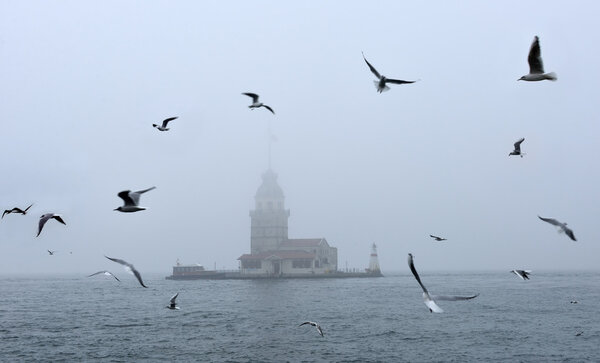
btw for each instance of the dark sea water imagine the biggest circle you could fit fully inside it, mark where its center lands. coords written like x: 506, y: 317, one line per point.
x: 73, y: 318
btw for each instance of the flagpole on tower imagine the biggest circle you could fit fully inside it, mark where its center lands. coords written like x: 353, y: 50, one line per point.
x: 270, y: 142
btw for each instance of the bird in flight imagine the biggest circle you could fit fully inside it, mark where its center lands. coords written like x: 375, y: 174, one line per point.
x: 381, y: 83
x: 131, y: 200
x: 51, y: 253
x: 429, y: 300
x: 312, y: 323
x: 107, y: 273
x: 562, y: 227
x: 536, y: 66
x: 172, y: 304
x: 45, y: 218
x: 129, y: 267
x: 164, y: 127
x: 256, y: 103
x: 517, y: 150
x: 437, y: 238
x: 16, y: 210
x: 523, y: 274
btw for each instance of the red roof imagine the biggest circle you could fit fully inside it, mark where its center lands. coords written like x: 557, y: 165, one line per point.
x: 302, y: 242
x: 283, y: 255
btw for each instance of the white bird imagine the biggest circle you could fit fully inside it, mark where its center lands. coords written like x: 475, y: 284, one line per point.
x: 45, y: 217
x: 517, y: 150
x: 536, y: 66
x: 131, y: 200
x: 172, y: 305
x: 315, y: 325
x: 255, y: 103
x: 16, y: 210
x: 381, y: 83
x: 107, y: 273
x: 562, y: 227
x: 523, y: 274
x: 129, y: 267
x: 439, y: 239
x: 163, y: 127
x: 429, y: 300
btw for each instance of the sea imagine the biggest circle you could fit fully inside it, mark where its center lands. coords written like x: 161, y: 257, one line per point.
x: 80, y: 319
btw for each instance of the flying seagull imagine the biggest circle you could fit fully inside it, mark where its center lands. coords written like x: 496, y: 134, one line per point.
x: 315, y: 325
x: 45, y: 217
x: 130, y: 268
x: 164, y: 127
x: 16, y: 210
x: 562, y: 227
x: 536, y: 66
x: 517, y: 150
x: 523, y: 274
x: 578, y: 333
x: 255, y: 103
x: 381, y: 83
x: 51, y: 253
x: 574, y: 302
x: 172, y: 304
x: 107, y: 273
x: 429, y: 300
x: 437, y: 238
x: 131, y: 200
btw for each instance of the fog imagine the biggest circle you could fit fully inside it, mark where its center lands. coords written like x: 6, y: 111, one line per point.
x: 81, y: 84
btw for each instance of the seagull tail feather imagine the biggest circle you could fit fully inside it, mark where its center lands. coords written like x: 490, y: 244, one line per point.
x: 551, y: 76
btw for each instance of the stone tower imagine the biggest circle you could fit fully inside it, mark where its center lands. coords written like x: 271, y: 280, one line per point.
x: 374, y: 260
x: 269, y: 219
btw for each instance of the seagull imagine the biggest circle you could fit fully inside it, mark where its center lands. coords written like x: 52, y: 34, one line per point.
x: 107, y: 273
x: 315, y: 325
x: 437, y: 238
x: 131, y: 200
x: 578, y: 333
x: 517, y: 150
x: 16, y: 210
x: 172, y: 305
x: 574, y: 302
x: 536, y: 66
x: 164, y: 127
x: 255, y: 103
x: 128, y: 267
x: 51, y: 253
x: 381, y: 83
x: 523, y: 274
x: 45, y: 217
x: 429, y: 299
x: 562, y: 227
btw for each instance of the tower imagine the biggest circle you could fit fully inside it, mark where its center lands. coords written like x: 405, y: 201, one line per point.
x: 269, y: 219
x: 374, y: 261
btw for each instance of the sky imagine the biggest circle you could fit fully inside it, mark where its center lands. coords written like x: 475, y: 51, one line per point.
x: 81, y: 84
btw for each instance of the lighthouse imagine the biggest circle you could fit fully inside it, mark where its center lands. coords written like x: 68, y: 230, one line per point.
x: 374, y: 261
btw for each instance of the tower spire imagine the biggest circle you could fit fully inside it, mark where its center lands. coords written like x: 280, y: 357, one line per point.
x: 374, y: 260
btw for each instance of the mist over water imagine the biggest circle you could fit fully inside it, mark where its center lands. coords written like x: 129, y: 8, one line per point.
x: 364, y: 320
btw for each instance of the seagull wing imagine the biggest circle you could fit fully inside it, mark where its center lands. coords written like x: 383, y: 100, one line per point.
x: 269, y: 108
x: 135, y: 196
x: 397, y: 81
x: 320, y: 330
x: 414, y: 271
x: 253, y: 95
x: 452, y: 297
x: 5, y: 212
x: 125, y: 263
x: 59, y: 218
x: 569, y: 232
x: 518, y: 144
x: 551, y: 221
x: 138, y: 276
x: 307, y: 322
x: 172, y: 301
x: 116, y: 278
x: 43, y: 219
x: 535, y: 57
x: 372, y: 68
x: 26, y: 209
x: 126, y: 197
x: 166, y: 121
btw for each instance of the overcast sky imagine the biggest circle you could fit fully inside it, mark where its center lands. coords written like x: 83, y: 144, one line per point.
x: 82, y: 82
